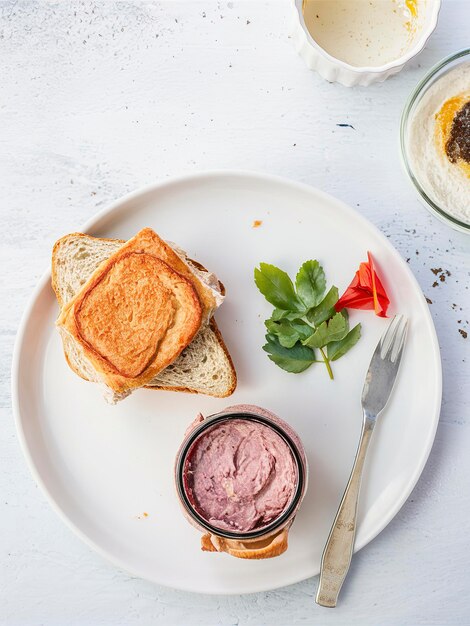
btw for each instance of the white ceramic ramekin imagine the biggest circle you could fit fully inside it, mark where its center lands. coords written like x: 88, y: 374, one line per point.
x: 336, y: 71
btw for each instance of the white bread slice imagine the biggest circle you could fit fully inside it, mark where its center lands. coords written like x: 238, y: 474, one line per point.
x: 74, y: 259
x: 204, y: 366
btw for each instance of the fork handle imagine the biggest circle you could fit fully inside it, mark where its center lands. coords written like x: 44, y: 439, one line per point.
x: 338, y: 551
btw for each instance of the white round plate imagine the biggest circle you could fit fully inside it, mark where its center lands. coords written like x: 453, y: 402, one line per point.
x: 102, y: 467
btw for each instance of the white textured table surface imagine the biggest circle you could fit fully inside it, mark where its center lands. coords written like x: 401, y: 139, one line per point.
x: 99, y: 99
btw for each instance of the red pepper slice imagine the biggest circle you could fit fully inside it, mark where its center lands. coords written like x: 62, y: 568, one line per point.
x: 365, y: 291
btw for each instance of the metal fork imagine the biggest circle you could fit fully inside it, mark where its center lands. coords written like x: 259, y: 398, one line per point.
x: 378, y: 386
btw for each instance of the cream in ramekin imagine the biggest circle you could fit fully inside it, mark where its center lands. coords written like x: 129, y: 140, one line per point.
x: 359, y: 42
x: 241, y: 476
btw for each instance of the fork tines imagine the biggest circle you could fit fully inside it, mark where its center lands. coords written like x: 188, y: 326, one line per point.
x: 391, y: 344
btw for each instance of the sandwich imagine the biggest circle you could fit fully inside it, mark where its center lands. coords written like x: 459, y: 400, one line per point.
x: 139, y: 314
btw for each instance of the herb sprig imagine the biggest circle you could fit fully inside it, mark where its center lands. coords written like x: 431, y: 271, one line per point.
x: 304, y: 319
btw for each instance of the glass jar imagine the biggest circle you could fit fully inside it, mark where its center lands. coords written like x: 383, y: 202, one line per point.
x: 259, y: 542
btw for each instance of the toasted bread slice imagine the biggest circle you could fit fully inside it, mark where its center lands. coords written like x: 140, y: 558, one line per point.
x: 204, y: 366
x: 254, y: 549
x: 136, y: 313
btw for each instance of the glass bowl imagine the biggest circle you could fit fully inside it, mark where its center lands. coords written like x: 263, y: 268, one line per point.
x: 434, y: 74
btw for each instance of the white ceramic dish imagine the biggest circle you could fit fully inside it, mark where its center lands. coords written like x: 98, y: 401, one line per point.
x: 336, y: 71
x: 103, y: 466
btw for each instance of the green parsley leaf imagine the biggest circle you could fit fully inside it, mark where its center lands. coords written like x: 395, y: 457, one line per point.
x: 286, y: 335
x: 325, y: 309
x: 294, y: 360
x: 333, y: 330
x: 304, y: 330
x: 310, y: 283
x: 277, y: 288
x: 337, y: 349
x: 289, y: 332
x: 279, y: 314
